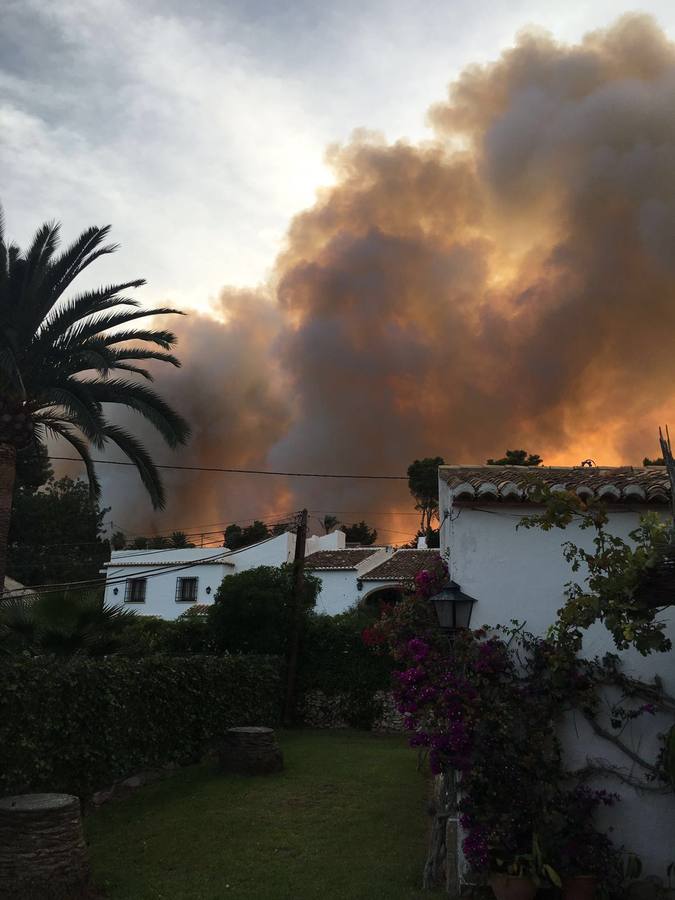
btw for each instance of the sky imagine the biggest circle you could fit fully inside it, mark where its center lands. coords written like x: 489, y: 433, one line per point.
x: 198, y: 130
x: 401, y: 229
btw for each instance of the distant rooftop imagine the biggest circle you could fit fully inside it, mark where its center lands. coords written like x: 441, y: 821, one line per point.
x: 402, y: 566
x: 347, y: 558
x: 618, y: 484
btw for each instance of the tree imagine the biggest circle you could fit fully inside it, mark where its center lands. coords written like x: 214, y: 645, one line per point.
x: 659, y: 461
x: 360, y: 533
x: 329, y: 523
x: 118, y: 541
x: 59, y: 360
x: 279, y: 528
x: 616, y: 574
x: 56, y: 534
x: 63, y: 623
x: 33, y: 468
x: 252, y: 612
x: 237, y: 537
x: 179, y: 540
x: 423, y: 485
x: 517, y: 458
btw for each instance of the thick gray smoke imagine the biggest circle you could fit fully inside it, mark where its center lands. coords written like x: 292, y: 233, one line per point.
x: 510, y: 284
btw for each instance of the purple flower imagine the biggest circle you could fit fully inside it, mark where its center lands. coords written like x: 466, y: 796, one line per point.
x: 418, y: 649
x: 475, y: 846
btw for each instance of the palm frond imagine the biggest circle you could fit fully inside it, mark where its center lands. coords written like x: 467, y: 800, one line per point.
x: 57, y: 427
x: 81, y: 253
x: 51, y: 348
x: 173, y: 427
x: 163, y: 338
x: 83, y: 305
x: 35, y: 269
x: 124, y: 354
x: 135, y: 370
x: 75, y: 398
x: 137, y: 453
x: 87, y: 328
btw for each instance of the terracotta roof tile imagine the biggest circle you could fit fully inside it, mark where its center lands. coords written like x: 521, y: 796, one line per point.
x: 402, y: 566
x: 620, y: 484
x: 339, y: 559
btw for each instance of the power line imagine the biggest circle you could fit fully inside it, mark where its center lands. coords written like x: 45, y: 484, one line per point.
x: 126, y: 563
x: 115, y: 462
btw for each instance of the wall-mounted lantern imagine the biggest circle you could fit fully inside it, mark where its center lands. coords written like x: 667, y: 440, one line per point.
x: 453, y: 607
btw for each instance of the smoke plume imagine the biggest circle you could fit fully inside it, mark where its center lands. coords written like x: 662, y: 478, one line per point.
x: 509, y: 283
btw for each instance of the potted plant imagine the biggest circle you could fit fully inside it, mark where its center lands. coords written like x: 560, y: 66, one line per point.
x: 585, y: 856
x: 521, y: 877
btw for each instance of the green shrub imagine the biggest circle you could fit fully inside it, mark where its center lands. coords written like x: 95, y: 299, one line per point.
x: 148, y: 635
x: 77, y: 725
x: 253, y: 610
x: 334, y: 659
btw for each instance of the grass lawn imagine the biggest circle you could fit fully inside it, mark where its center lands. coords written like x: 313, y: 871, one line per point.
x: 346, y: 819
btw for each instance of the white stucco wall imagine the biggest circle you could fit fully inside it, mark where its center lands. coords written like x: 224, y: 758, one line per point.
x: 339, y: 587
x: 338, y: 590
x: 521, y: 574
x: 161, y: 584
x: 160, y: 587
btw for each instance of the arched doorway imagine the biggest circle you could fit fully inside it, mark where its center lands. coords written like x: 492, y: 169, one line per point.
x: 388, y: 594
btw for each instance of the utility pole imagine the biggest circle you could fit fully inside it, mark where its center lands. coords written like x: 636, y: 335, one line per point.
x: 669, y: 462
x: 296, y: 616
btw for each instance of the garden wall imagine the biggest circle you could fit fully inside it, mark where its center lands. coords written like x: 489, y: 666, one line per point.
x: 79, y: 725
x: 375, y: 711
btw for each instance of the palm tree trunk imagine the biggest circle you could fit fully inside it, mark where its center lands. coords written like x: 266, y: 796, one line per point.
x: 7, y: 473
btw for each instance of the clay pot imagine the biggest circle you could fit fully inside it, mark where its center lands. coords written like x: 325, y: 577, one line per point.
x: 580, y: 887
x: 512, y: 887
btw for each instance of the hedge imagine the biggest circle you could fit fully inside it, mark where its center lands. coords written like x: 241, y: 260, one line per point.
x: 78, y: 725
x: 335, y: 661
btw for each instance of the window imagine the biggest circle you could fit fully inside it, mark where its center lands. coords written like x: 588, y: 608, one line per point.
x: 135, y: 590
x: 186, y: 590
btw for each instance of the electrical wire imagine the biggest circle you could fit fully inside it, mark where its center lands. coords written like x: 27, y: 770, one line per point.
x: 228, y: 471
x: 93, y: 582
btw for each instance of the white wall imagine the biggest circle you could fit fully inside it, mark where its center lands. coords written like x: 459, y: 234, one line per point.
x: 339, y: 587
x: 338, y: 590
x: 335, y: 540
x: 273, y: 552
x: 521, y: 574
x: 161, y: 585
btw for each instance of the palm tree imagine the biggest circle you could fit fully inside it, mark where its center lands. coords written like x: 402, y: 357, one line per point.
x: 329, y: 523
x: 58, y: 356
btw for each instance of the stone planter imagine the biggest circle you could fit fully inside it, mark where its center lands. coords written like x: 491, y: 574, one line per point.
x: 42, y: 851
x: 250, y: 751
x: 512, y: 887
x: 579, y: 887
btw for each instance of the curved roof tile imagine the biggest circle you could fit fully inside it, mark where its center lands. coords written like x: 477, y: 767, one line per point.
x: 614, y: 484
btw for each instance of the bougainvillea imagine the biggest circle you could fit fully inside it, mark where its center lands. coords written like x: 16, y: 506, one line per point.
x: 485, y: 705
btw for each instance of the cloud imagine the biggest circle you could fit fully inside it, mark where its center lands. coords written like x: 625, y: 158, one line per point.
x: 509, y: 284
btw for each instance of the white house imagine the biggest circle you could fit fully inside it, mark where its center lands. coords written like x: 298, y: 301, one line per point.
x: 351, y: 575
x: 165, y: 583
x: 521, y: 574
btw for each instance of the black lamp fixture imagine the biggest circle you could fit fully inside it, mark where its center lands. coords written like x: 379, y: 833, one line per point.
x: 453, y: 607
